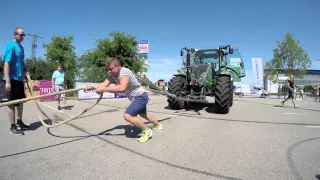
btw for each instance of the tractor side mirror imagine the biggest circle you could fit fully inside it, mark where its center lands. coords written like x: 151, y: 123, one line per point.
x: 181, y: 52
x: 231, y: 50
x: 188, y: 59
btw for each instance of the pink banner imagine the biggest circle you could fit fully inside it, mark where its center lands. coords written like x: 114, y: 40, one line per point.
x: 46, y: 88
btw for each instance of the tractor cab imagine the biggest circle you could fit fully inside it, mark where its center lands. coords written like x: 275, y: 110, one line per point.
x: 235, y: 62
x: 208, y: 56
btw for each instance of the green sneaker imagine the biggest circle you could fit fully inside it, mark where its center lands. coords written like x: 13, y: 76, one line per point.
x: 156, y: 127
x: 145, y: 136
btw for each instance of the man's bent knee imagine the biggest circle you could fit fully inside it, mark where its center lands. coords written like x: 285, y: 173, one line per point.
x: 127, y: 117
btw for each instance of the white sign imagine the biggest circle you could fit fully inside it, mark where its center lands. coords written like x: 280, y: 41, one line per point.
x: 143, y: 46
x: 235, y: 62
x: 257, y: 72
x: 91, y: 94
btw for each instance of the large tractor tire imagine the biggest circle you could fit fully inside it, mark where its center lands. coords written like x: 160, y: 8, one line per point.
x: 175, y: 87
x: 222, y: 95
x: 231, y: 93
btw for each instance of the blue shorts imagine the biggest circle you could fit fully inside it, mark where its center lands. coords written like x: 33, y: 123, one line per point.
x: 138, y: 105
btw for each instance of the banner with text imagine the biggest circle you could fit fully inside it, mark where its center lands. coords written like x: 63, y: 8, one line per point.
x: 91, y: 94
x: 46, y: 88
x: 257, y: 72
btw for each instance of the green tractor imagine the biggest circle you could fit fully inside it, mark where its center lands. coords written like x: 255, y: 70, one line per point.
x: 206, y: 72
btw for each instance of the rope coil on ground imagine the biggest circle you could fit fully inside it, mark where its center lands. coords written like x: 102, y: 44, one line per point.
x: 65, y: 121
x: 40, y: 111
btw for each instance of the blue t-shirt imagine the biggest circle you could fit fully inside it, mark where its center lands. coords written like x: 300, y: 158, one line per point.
x: 14, y: 55
x: 58, y: 77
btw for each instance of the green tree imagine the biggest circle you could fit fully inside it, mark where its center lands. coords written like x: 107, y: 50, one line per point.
x: 117, y: 44
x: 40, y: 69
x: 61, y: 50
x: 288, y: 58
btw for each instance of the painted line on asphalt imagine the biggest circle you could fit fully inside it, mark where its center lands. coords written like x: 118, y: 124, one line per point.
x: 301, y: 114
x: 57, y: 110
x: 313, y: 126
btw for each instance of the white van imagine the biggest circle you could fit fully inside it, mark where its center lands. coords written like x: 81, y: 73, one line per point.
x: 249, y: 90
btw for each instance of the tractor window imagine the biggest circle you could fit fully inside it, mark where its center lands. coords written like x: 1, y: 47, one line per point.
x: 208, y: 57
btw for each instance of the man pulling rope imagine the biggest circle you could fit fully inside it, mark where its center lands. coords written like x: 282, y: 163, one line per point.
x: 129, y: 84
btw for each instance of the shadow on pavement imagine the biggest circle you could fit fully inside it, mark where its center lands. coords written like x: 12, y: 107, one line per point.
x: 149, y: 157
x: 130, y: 131
x: 196, y: 107
x: 128, y: 134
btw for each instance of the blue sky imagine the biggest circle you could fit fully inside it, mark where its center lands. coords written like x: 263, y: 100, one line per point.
x: 169, y: 25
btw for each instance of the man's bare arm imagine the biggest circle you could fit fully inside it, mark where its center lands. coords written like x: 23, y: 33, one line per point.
x: 105, y: 83
x: 52, y: 83
x: 124, y: 82
x: 25, y: 68
x: 7, y: 71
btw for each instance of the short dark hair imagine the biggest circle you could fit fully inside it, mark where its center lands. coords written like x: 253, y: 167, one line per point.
x: 15, y: 30
x: 113, y: 60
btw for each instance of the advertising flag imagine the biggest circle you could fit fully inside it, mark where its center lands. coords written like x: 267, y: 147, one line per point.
x: 257, y: 72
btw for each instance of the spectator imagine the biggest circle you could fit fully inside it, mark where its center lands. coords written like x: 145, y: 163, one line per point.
x: 15, y: 72
x: 58, y: 85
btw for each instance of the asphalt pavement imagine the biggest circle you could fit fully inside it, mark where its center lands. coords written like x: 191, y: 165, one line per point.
x: 258, y: 139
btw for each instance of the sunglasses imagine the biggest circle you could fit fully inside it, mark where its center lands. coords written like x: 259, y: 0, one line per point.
x: 22, y: 35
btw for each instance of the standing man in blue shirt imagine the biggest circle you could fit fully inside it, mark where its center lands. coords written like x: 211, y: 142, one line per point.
x: 14, y: 74
x: 59, y: 85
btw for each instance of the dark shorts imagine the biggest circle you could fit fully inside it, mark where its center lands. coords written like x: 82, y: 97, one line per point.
x: 17, y: 91
x: 138, y: 105
x: 290, y: 94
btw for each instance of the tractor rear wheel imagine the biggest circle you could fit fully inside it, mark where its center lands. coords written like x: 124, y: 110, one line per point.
x: 222, y: 95
x: 175, y: 86
x: 231, y: 93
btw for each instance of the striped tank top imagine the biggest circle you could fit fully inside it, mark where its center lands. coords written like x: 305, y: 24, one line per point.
x: 133, y: 88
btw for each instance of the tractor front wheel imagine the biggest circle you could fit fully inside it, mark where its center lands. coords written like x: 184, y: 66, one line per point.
x: 175, y: 86
x: 231, y: 94
x: 222, y: 95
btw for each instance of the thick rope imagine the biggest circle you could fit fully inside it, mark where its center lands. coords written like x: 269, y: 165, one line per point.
x: 157, y: 91
x: 43, y: 113
x: 37, y: 97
